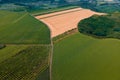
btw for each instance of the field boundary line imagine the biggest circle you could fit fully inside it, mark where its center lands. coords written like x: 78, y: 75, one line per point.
x: 68, y: 35
x: 59, y: 14
x: 20, y: 18
x: 51, y: 58
x: 65, y: 35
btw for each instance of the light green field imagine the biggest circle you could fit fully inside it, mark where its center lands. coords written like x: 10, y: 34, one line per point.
x: 24, y: 62
x: 80, y: 57
x: 17, y: 28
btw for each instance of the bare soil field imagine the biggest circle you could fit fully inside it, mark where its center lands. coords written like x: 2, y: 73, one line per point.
x: 60, y: 22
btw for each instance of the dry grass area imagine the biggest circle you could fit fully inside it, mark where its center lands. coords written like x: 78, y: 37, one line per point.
x: 60, y: 22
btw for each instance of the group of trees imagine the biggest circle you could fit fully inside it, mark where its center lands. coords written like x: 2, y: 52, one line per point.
x: 100, y: 26
x: 2, y: 46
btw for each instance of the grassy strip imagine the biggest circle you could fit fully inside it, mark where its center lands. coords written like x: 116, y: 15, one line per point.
x: 41, y: 12
x: 64, y: 35
x: 26, y: 64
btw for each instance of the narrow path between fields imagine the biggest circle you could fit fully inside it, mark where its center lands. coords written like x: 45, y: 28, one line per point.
x: 51, y: 57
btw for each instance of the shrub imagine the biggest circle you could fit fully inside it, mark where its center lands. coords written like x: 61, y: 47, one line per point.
x: 96, y: 25
x: 2, y: 46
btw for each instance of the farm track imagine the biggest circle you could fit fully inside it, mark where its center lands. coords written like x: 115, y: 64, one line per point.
x: 51, y: 57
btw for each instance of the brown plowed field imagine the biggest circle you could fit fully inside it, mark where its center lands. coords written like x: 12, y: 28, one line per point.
x: 60, y: 22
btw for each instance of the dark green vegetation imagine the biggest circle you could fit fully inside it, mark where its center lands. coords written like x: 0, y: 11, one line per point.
x: 22, y: 28
x: 80, y: 57
x: 101, y: 26
x: 108, y: 8
x: 44, y: 75
x: 2, y: 46
x: 30, y: 5
x: 105, y: 6
x: 36, y: 5
x: 26, y: 62
x: 12, y: 7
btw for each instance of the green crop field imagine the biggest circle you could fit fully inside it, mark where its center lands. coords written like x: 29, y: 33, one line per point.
x: 25, y: 55
x: 22, y: 28
x: 80, y: 57
x: 24, y: 62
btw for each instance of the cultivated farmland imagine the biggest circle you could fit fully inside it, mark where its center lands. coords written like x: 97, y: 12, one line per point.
x: 60, y: 22
x: 80, y: 57
x: 75, y: 57
x: 22, y: 28
x: 24, y: 62
x: 26, y: 47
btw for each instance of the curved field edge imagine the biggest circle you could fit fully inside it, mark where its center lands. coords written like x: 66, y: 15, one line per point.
x: 22, y: 28
x: 26, y: 64
x: 80, y: 57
